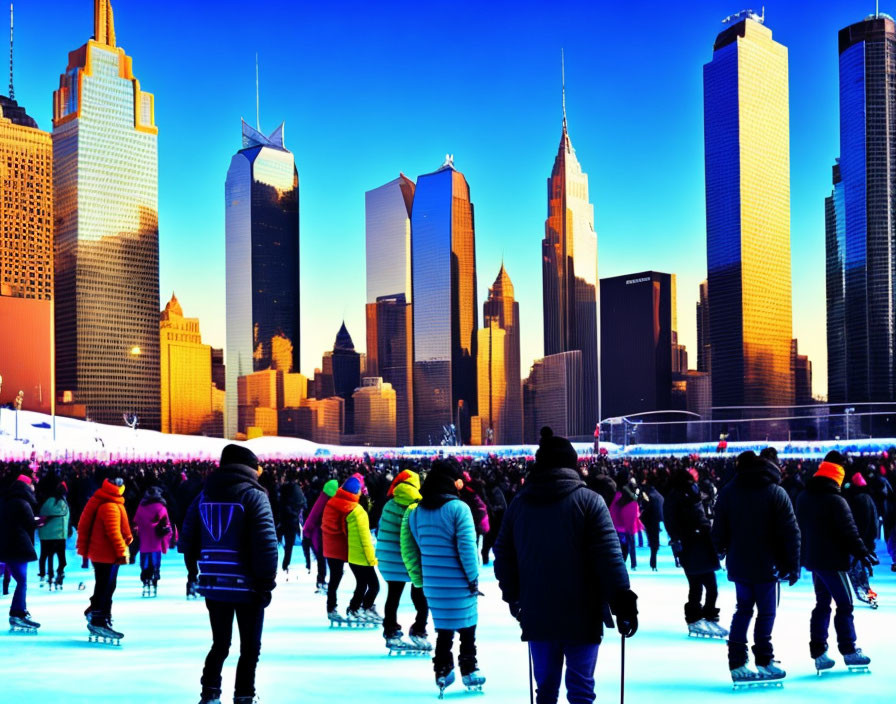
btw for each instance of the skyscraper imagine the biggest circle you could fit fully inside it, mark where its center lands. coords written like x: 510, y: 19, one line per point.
x: 569, y: 275
x: 105, y: 181
x: 861, y: 219
x: 346, y: 374
x: 374, y: 403
x: 747, y: 153
x: 704, y: 350
x: 389, y: 318
x: 443, y: 255
x: 262, y: 245
x: 552, y: 395
x: 498, y: 368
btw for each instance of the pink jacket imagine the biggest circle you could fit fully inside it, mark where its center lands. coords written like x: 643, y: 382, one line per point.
x: 146, y: 520
x: 626, y: 519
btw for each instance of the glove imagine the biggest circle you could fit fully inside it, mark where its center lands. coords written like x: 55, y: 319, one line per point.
x: 263, y: 599
x: 677, y: 547
x: 516, y: 611
x: 793, y: 578
x: 869, y: 560
x: 625, y: 607
x: 474, y: 587
x: 121, y: 560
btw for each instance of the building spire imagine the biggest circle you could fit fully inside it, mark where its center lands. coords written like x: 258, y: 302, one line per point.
x: 563, y: 86
x: 103, y: 22
x: 12, y: 90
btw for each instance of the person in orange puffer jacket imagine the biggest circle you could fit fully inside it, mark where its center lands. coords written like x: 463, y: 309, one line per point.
x: 104, y: 534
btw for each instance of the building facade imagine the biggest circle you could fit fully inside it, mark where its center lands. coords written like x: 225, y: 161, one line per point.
x: 346, y: 374
x: 389, y: 313
x: 105, y: 195
x: 704, y: 350
x: 445, y: 312
x: 552, y: 396
x: 375, y: 413
x: 747, y: 158
x: 262, y: 268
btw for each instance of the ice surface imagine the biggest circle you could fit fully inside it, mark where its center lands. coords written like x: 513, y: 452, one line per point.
x: 302, y: 660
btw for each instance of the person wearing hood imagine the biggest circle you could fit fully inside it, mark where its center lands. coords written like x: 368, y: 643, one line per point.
x: 756, y: 529
x: 438, y: 548
x: 334, y: 526
x: 560, y: 568
x: 312, y: 532
x: 104, y: 534
x: 292, y: 509
x: 17, y: 524
x: 689, y: 533
x: 403, y: 495
x: 229, y: 535
x: 155, y: 534
x: 830, y: 540
x: 361, y: 559
x: 53, y: 534
x: 864, y: 512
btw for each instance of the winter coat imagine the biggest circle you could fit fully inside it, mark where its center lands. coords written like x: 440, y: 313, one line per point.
x: 438, y: 546
x: 312, y: 529
x: 626, y: 516
x: 57, y: 515
x: 686, y: 522
x: 292, y: 506
x: 17, y: 508
x: 558, y: 557
x: 652, y: 510
x: 149, y: 516
x: 229, y: 536
x: 478, y: 509
x: 360, y: 544
x: 334, y: 525
x: 830, y: 535
x: 405, y: 494
x: 104, y: 532
x: 864, y: 512
x: 755, y: 526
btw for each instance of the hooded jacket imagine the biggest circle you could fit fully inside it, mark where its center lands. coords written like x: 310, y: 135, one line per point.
x: 830, y: 535
x: 104, y: 532
x: 17, y: 508
x: 55, y: 510
x: 558, y: 557
x: 151, y: 514
x: 334, y: 524
x: 686, y: 522
x: 625, y: 512
x: 312, y: 529
x: 404, y: 495
x: 864, y: 512
x: 755, y: 525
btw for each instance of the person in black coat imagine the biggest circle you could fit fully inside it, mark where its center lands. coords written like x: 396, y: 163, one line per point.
x: 559, y: 566
x: 17, y: 523
x: 496, y: 504
x: 229, y: 536
x: 651, y: 516
x: 689, y: 530
x: 292, y: 510
x: 830, y: 541
x: 756, y: 529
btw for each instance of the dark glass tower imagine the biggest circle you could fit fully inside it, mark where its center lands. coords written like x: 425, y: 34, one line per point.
x: 443, y: 264
x: 262, y: 247
x: 862, y: 339
x: 346, y: 374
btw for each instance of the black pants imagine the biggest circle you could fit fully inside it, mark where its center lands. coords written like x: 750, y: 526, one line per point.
x: 443, y: 661
x: 653, y: 542
x: 289, y: 535
x: 106, y: 577
x: 694, y: 610
x: 627, y: 543
x: 306, y: 549
x: 250, y: 621
x: 48, y: 550
x: 488, y: 541
x: 367, y: 586
x: 319, y: 557
x: 390, y: 616
x: 337, y: 569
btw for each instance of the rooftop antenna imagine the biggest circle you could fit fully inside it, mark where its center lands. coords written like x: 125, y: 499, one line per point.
x: 12, y: 91
x: 563, y: 85
x: 257, y: 121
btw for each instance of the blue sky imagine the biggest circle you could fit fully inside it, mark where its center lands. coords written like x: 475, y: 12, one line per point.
x: 371, y: 89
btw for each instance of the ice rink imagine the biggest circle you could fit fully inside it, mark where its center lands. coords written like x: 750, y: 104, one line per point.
x: 302, y: 660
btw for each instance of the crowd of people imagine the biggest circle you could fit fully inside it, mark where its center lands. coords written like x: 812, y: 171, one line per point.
x: 433, y: 523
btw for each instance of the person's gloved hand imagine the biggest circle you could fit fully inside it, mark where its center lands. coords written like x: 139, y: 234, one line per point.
x: 121, y: 560
x: 793, y: 578
x: 474, y: 588
x: 625, y: 608
x: 870, y: 560
x: 677, y: 547
x: 516, y: 611
x: 263, y: 599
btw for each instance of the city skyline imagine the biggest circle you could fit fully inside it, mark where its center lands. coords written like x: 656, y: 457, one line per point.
x: 507, y: 181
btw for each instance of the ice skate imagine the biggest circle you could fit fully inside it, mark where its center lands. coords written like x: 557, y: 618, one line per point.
x: 101, y: 631
x: 372, y: 615
x: 420, y: 639
x: 822, y: 663
x: 246, y: 700
x: 43, y: 580
x: 59, y: 578
x: 356, y: 619
x: 321, y: 588
x: 155, y: 589
x: 210, y: 697
x: 23, y: 624
x: 871, y: 595
x: 443, y: 682
x: 703, y: 629
x: 771, y: 671
x: 717, y: 630
x: 744, y: 678
x: 397, y: 645
x: 473, y: 681
x: 336, y: 619
x: 857, y: 661
x: 145, y: 590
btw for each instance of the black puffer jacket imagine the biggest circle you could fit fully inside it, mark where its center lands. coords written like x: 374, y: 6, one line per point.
x: 830, y: 535
x: 864, y: 512
x: 210, y: 527
x: 558, y: 557
x: 756, y: 527
x: 17, y: 507
x: 686, y: 521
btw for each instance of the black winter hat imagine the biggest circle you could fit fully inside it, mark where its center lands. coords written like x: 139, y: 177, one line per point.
x: 835, y: 458
x: 237, y: 454
x: 448, y: 468
x: 770, y: 454
x: 554, y: 451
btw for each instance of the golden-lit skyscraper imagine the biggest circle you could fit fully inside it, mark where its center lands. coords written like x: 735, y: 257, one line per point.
x: 186, y: 366
x: 105, y: 178
x: 569, y: 275
x: 26, y: 258
x: 747, y: 153
x: 375, y: 413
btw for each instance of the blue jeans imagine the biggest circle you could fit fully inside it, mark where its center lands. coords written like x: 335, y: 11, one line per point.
x: 831, y: 585
x: 763, y: 597
x: 19, y: 572
x: 547, y: 665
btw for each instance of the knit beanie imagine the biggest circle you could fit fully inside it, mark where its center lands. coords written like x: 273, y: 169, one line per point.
x: 352, y: 485
x: 832, y: 467
x: 858, y: 479
x: 405, y: 475
x: 237, y: 454
x: 554, y: 451
x: 331, y: 487
x: 25, y: 479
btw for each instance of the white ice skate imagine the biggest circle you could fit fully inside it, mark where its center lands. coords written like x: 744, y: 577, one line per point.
x: 744, y: 678
x: 443, y: 682
x: 474, y: 681
x: 857, y: 661
x: 337, y: 620
x: 702, y: 629
x: 23, y: 624
x: 397, y: 645
x: 771, y: 671
x: 822, y: 663
x: 421, y: 641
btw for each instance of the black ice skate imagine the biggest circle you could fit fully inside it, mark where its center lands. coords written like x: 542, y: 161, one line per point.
x: 101, y: 631
x: 22, y: 623
x: 444, y: 681
x: 857, y: 661
x: 823, y: 663
x: 744, y: 678
x: 473, y: 681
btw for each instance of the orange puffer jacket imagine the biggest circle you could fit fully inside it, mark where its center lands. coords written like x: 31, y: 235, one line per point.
x: 103, y: 531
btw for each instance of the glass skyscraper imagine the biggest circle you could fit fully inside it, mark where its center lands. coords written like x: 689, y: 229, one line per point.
x: 569, y: 276
x: 389, y: 319
x: 443, y: 255
x: 262, y: 269
x: 861, y: 219
x: 747, y: 155
x: 107, y: 236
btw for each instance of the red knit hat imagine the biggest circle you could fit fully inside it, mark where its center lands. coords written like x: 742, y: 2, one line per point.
x: 831, y: 471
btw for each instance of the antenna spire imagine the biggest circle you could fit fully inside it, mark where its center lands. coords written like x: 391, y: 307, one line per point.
x: 12, y: 90
x: 563, y: 85
x: 257, y: 121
